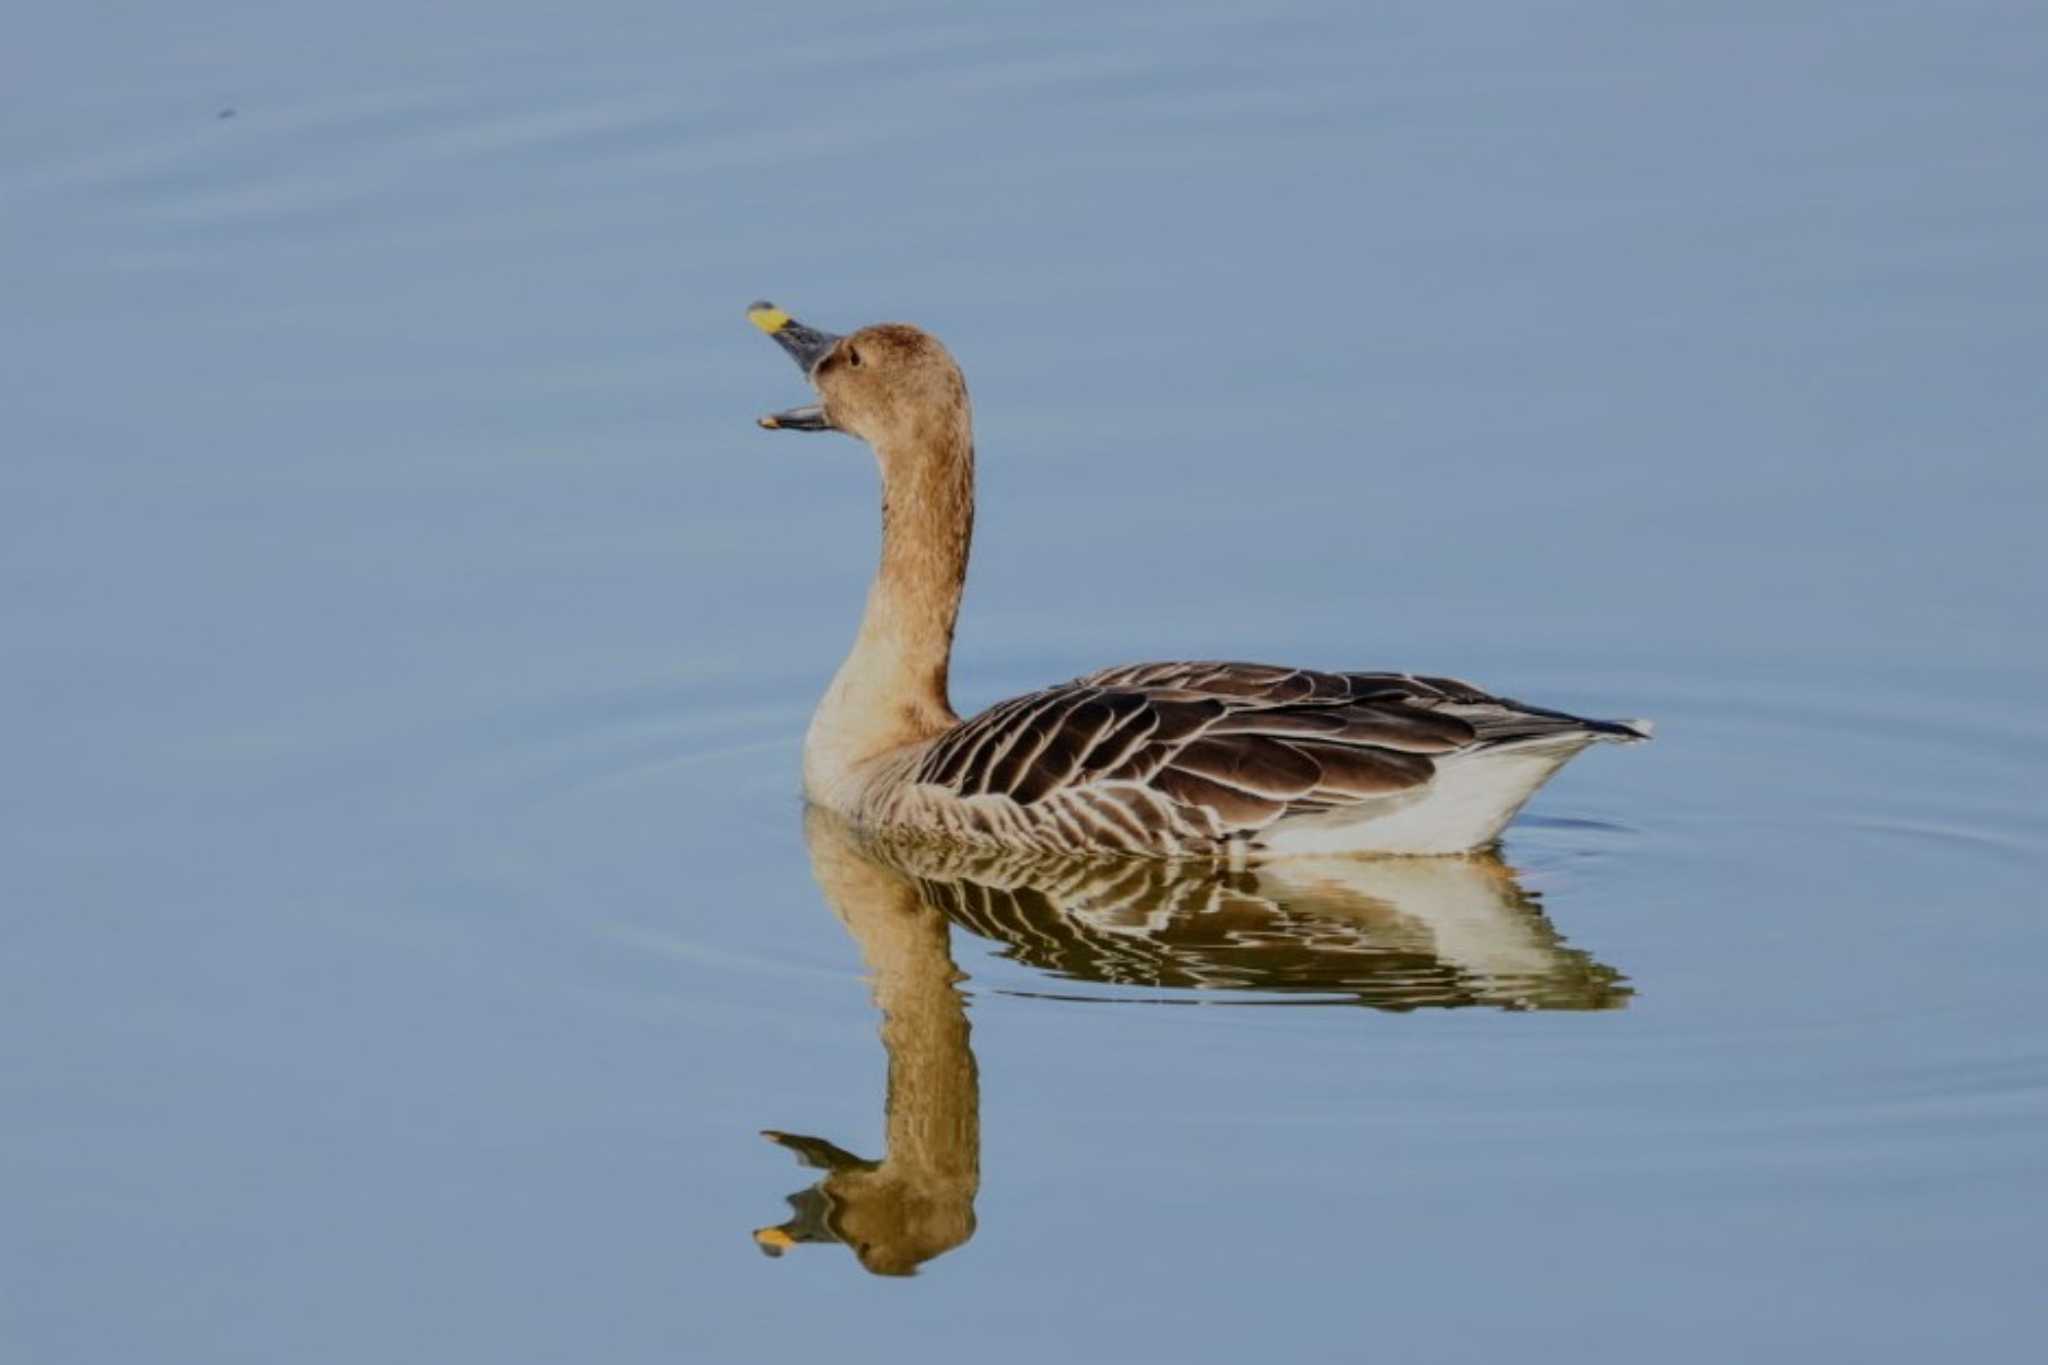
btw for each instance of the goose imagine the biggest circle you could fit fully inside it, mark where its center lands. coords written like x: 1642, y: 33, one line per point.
x: 1240, y: 762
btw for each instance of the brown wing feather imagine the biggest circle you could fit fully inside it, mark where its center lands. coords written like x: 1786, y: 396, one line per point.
x: 1356, y: 774
x: 1234, y: 807
x: 1251, y: 763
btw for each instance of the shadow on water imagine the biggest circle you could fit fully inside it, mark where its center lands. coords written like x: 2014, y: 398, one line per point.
x: 1389, y: 934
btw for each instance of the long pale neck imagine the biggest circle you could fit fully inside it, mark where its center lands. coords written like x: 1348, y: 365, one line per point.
x: 891, y: 690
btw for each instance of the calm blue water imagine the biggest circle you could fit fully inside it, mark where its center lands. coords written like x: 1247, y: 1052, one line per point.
x: 408, y: 638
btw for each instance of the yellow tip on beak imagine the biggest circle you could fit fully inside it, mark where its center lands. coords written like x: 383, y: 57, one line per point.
x: 774, y: 1238
x: 769, y: 319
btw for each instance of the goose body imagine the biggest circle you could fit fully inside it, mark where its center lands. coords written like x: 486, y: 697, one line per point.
x: 1164, y: 760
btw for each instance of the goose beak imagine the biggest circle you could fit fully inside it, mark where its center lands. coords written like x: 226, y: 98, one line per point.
x: 809, y: 417
x: 806, y: 346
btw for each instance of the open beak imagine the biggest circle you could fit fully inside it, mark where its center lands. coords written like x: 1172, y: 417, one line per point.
x: 806, y: 346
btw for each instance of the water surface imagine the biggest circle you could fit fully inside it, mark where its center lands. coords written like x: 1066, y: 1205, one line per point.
x: 408, y: 639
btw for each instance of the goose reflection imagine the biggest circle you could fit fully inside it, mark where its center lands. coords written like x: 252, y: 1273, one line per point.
x: 1390, y: 934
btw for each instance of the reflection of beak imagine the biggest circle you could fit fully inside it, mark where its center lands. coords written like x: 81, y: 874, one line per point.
x: 818, y: 1153
x: 806, y: 346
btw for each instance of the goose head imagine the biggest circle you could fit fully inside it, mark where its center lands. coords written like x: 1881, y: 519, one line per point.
x: 892, y: 385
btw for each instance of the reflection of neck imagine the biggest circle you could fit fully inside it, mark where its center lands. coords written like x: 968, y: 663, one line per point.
x: 934, y: 1121
x: 934, y: 1124
x: 892, y: 688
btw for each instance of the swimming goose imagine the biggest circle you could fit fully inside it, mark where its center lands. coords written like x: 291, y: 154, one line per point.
x: 1243, y: 762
